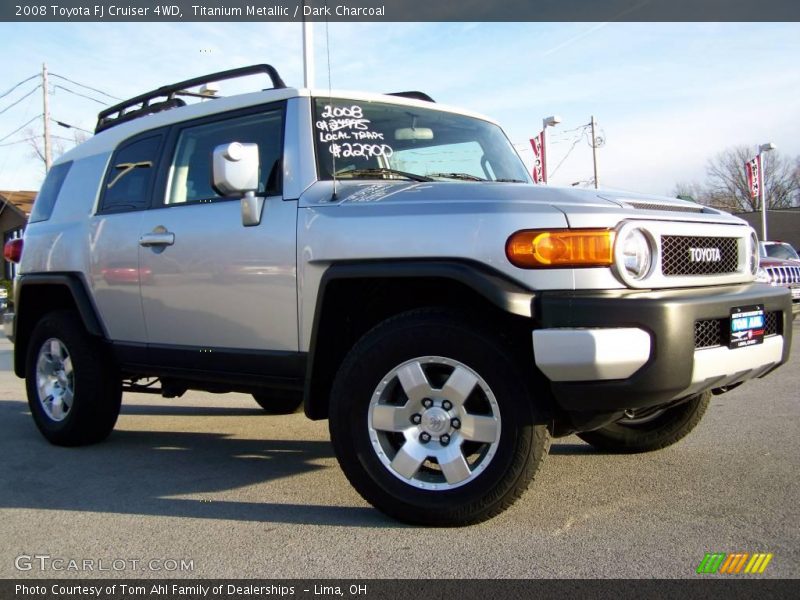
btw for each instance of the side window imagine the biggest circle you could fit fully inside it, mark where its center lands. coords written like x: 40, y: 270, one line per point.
x: 190, y: 171
x: 46, y: 198
x: 130, y: 175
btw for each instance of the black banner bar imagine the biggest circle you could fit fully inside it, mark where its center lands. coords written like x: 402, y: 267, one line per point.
x: 399, y: 10
x: 730, y: 587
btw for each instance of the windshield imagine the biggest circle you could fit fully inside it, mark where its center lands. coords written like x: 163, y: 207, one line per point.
x: 374, y: 140
x: 782, y: 251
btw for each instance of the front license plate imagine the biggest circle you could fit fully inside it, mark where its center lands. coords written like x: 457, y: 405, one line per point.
x: 747, y: 326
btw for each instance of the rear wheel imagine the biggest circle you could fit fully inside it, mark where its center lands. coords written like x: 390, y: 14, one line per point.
x: 74, y: 389
x: 279, y: 402
x: 650, y: 429
x: 432, y: 421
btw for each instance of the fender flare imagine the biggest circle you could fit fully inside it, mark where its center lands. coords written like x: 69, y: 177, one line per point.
x: 490, y: 284
x: 77, y: 288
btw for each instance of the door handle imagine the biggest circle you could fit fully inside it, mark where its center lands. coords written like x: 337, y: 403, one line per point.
x: 158, y: 237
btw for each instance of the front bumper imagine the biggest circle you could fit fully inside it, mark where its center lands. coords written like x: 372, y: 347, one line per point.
x: 609, y: 351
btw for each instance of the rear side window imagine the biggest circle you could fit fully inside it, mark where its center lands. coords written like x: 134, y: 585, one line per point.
x: 46, y: 199
x: 129, y: 180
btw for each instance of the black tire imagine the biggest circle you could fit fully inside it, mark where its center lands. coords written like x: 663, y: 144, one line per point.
x: 94, y: 381
x: 279, y: 402
x: 503, y: 468
x: 662, y: 430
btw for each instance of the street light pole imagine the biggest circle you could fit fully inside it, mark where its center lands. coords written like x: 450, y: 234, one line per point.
x: 547, y: 122
x: 762, y: 188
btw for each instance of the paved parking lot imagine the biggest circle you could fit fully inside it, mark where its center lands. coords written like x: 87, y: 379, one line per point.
x: 210, y: 480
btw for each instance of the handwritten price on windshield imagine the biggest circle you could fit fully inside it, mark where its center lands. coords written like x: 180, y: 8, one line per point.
x: 360, y: 150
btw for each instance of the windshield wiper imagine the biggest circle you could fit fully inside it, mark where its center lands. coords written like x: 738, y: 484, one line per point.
x: 462, y: 176
x: 511, y: 181
x: 382, y: 171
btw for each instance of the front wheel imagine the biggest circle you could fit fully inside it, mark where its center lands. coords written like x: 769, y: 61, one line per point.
x: 650, y: 429
x: 432, y: 421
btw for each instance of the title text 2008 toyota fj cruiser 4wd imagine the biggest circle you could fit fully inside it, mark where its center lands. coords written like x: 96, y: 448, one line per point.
x: 384, y: 261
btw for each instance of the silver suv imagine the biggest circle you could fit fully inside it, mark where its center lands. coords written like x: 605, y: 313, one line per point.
x: 386, y: 262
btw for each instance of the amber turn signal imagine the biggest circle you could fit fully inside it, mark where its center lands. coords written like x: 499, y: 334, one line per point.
x: 537, y: 248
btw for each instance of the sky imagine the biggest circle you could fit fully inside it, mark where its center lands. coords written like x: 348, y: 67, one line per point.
x: 666, y: 96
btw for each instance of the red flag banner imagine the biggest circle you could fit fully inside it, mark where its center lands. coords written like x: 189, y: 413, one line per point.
x: 539, y: 164
x: 752, y: 169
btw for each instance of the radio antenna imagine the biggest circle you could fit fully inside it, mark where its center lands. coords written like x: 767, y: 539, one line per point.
x: 330, y: 94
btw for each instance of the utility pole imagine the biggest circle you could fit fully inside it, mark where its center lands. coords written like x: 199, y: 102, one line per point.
x: 48, y: 157
x: 594, y: 152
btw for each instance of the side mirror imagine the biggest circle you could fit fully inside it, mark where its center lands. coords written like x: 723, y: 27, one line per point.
x: 235, y: 171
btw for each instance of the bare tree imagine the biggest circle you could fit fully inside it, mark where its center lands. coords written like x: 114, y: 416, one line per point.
x: 726, y: 185
x: 689, y: 191
x: 59, y: 144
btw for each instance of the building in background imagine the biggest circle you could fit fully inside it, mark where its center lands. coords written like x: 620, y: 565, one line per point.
x: 783, y: 224
x: 15, y: 207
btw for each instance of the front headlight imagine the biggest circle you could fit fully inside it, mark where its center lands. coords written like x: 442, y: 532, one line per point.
x: 636, y: 253
x: 755, y: 259
x: 762, y: 276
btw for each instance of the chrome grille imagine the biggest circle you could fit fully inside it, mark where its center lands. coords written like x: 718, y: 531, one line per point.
x: 676, y: 256
x: 784, y: 275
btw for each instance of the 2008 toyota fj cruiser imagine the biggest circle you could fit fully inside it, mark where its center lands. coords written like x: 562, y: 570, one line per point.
x: 384, y: 261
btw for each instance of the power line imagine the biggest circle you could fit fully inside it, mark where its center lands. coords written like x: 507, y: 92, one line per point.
x: 2, y: 139
x: 575, y: 143
x: 8, y: 155
x: 68, y: 126
x: 563, y: 136
x: 19, y: 84
x: 20, y: 99
x: 35, y: 137
x: 61, y: 87
x: 86, y: 86
x: 576, y: 128
x: 28, y: 139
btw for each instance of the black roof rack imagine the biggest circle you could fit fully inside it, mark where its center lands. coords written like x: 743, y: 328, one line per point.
x: 117, y: 114
x: 413, y: 96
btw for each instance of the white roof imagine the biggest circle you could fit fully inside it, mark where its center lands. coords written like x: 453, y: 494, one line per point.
x: 107, y: 140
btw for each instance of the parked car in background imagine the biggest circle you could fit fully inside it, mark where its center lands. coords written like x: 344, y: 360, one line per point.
x: 779, y: 250
x: 780, y: 266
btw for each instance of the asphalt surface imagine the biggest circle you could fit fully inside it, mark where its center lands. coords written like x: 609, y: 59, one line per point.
x: 209, y: 479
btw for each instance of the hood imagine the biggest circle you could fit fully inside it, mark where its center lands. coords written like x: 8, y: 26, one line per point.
x: 582, y: 207
x: 767, y: 261
x: 351, y: 192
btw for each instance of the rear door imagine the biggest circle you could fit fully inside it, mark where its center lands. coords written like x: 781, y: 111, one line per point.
x: 125, y: 196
